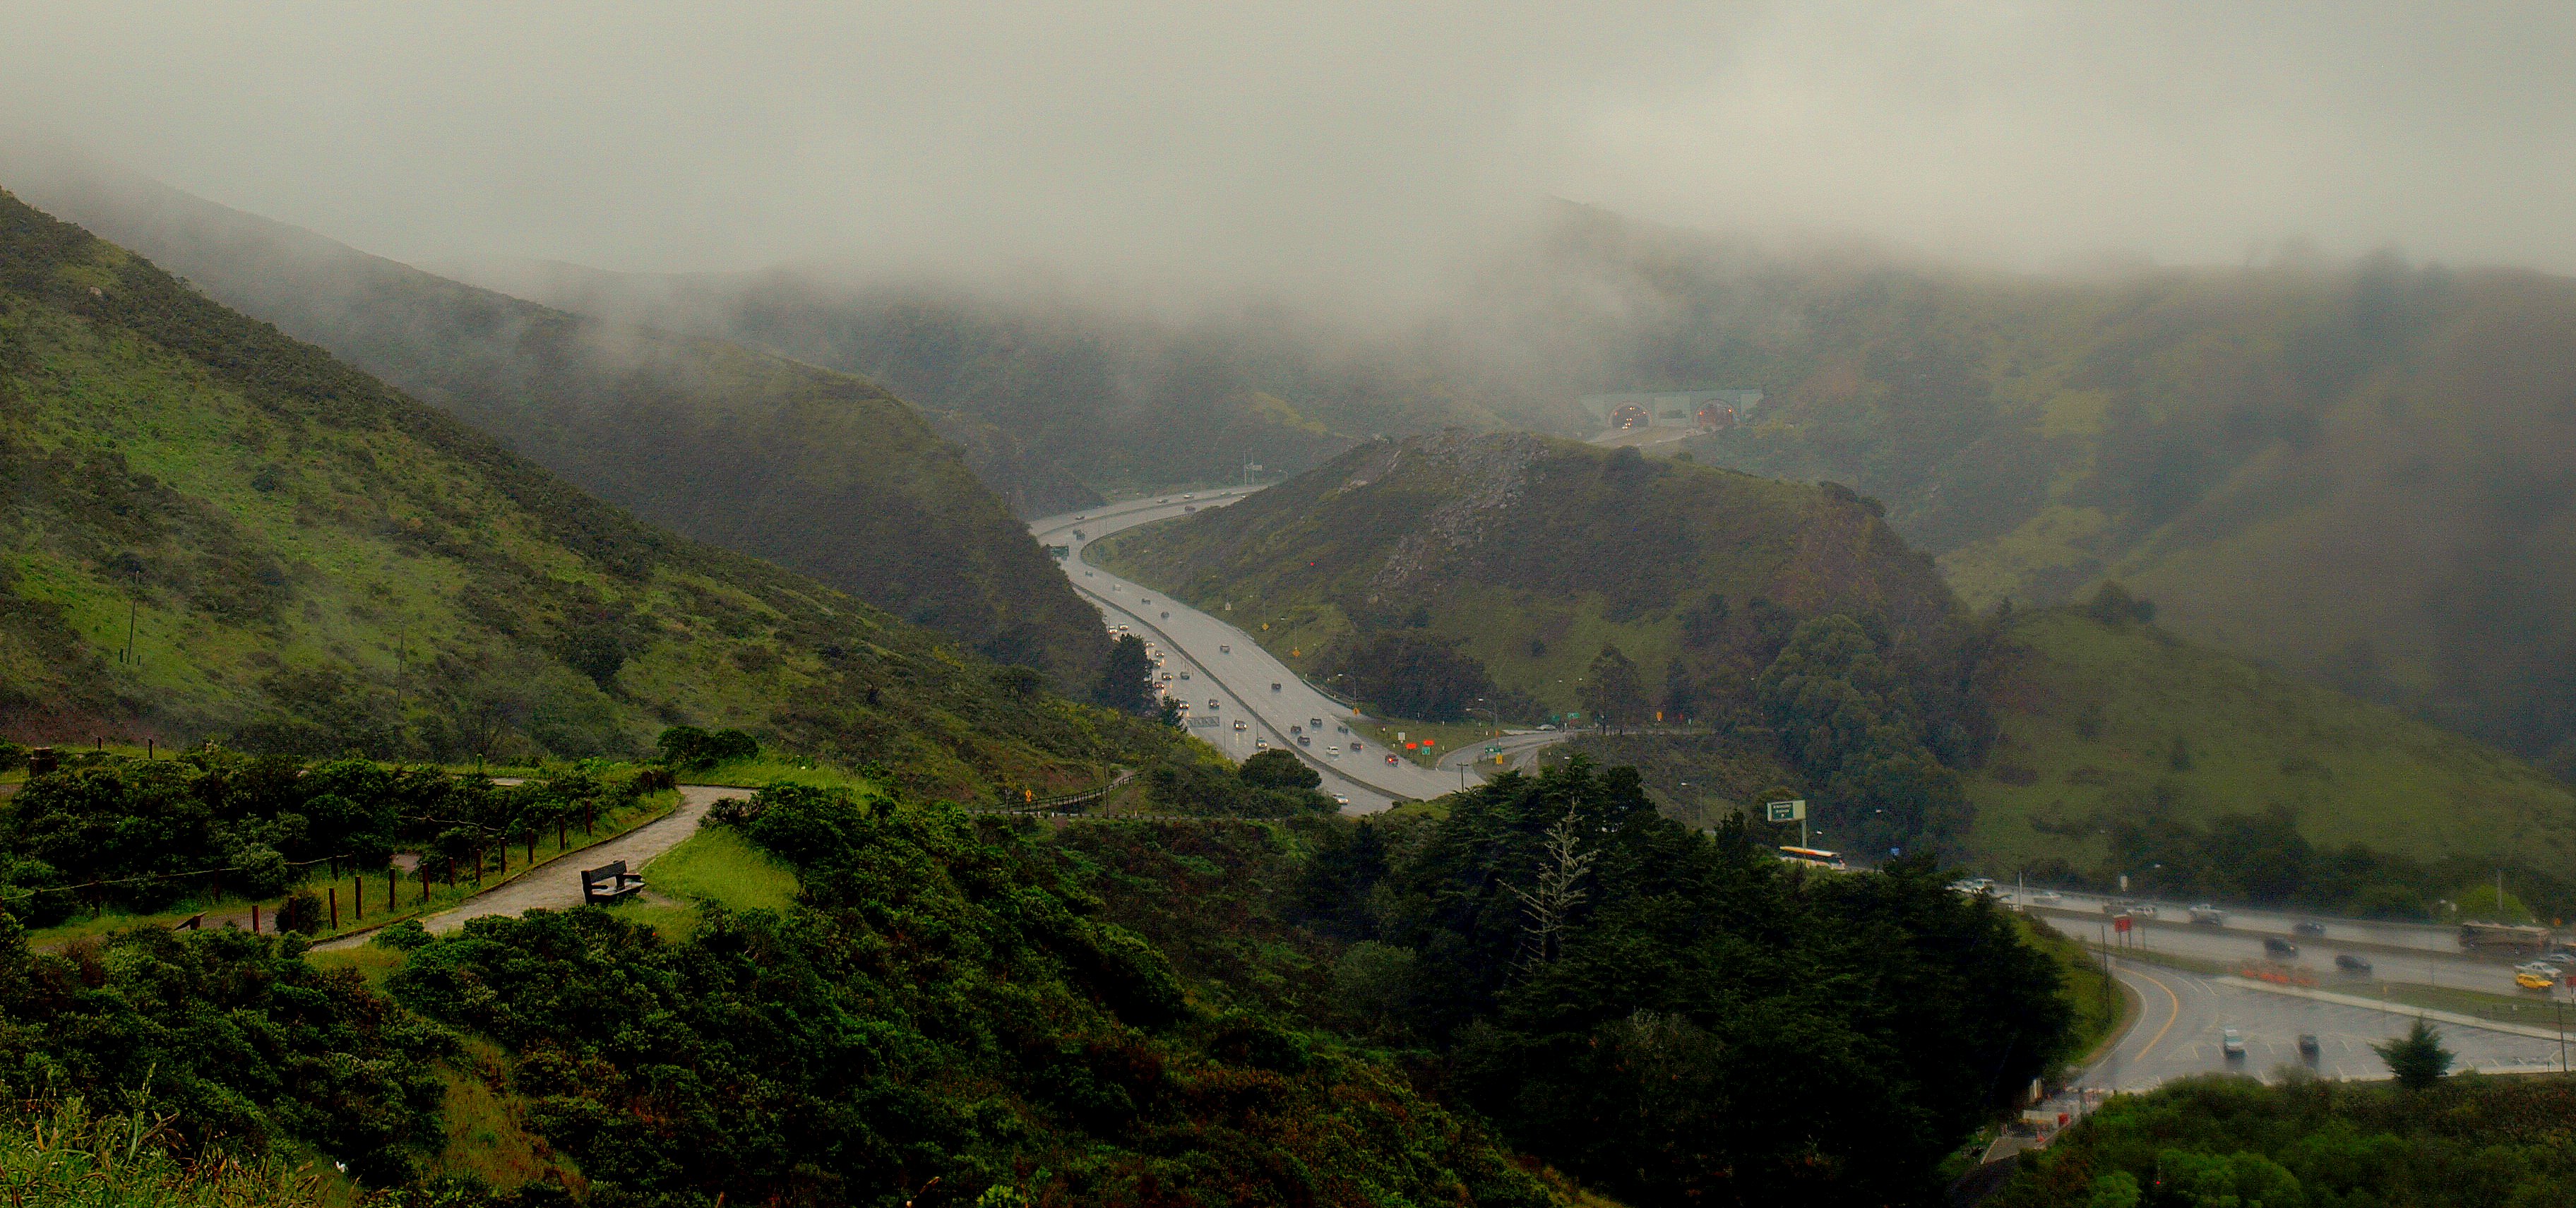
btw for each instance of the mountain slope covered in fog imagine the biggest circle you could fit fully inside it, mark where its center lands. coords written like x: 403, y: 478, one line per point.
x: 818, y: 471
x: 214, y: 530
x: 2365, y: 472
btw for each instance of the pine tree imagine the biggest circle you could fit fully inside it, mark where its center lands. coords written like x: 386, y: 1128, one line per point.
x: 2417, y: 1058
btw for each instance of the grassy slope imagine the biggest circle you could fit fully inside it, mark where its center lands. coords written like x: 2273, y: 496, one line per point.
x: 1510, y: 540
x: 815, y: 470
x: 307, y: 551
x: 2354, y: 772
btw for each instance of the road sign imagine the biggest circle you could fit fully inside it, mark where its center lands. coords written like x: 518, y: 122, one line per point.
x: 1785, y: 811
x: 2120, y: 923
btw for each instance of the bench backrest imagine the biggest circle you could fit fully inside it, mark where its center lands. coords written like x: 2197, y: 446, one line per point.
x: 611, y: 872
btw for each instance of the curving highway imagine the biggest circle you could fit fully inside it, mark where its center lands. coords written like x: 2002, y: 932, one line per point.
x: 2183, y: 1019
x: 1226, y: 677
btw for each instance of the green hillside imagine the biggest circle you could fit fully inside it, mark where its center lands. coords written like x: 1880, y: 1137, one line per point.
x: 1531, y: 554
x: 2106, y: 725
x: 817, y: 471
x: 307, y: 561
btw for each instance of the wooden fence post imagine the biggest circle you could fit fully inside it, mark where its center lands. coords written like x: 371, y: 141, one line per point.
x: 358, y: 898
x: 532, y: 845
x: 335, y: 908
x: 254, y: 918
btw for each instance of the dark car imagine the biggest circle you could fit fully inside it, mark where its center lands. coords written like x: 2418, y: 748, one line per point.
x: 2350, y: 963
x: 2307, y: 1044
x: 2308, y: 927
x: 2274, y: 945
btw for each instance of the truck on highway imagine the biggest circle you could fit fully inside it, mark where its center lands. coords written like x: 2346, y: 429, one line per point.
x: 2208, y: 915
x: 2506, y: 936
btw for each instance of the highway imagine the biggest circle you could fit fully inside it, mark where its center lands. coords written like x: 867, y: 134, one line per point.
x: 1224, y: 675
x: 2395, y: 951
x: 2183, y: 1018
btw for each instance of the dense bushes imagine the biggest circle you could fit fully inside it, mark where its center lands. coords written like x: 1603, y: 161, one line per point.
x: 2229, y: 1140
x: 951, y: 1022
x: 231, y: 1034
x: 694, y: 749
x: 1672, y: 1016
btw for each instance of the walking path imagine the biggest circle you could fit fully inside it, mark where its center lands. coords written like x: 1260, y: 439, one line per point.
x: 556, y: 885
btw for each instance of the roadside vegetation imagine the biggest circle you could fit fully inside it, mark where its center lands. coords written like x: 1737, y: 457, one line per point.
x: 2461, y: 1142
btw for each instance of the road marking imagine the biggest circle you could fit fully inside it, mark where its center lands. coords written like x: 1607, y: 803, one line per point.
x: 2170, y: 997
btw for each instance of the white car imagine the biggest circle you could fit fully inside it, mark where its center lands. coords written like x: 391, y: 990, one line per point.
x: 1338, y: 799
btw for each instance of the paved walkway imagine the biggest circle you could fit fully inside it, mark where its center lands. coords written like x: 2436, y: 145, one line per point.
x: 557, y: 885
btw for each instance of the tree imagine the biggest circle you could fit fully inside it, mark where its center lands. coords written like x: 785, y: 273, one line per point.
x: 1558, y: 890
x: 1277, y: 769
x: 1613, y: 693
x: 1126, y: 681
x: 2417, y: 1059
x: 1681, y: 696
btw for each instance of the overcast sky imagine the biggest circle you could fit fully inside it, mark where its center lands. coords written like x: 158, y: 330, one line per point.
x: 1352, y: 143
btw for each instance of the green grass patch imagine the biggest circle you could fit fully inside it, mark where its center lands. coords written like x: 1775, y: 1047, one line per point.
x: 1446, y: 737
x: 771, y: 766
x: 2102, y: 721
x: 488, y: 1138
x: 718, y: 864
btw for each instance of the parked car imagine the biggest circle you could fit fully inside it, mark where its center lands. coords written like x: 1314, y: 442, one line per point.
x: 2350, y: 963
x: 2231, y: 1043
x: 2274, y: 945
x: 2308, y: 927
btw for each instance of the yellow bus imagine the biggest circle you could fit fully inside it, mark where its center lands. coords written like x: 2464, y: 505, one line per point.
x: 1815, y: 857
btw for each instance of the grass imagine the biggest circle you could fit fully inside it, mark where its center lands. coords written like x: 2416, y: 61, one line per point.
x: 771, y: 766
x: 718, y: 864
x: 441, y: 896
x: 2250, y: 741
x: 1446, y: 737
x: 2533, y: 1010
x: 62, y: 1156
x: 488, y: 1138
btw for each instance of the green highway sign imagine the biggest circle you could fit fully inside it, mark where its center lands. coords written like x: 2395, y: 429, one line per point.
x: 1785, y: 811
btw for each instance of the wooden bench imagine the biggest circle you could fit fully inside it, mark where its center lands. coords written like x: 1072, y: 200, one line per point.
x: 607, y: 883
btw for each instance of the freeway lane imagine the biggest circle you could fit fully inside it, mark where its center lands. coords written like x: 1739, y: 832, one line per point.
x: 1230, y: 669
x: 2180, y: 1028
x: 2488, y: 972
x: 2426, y: 937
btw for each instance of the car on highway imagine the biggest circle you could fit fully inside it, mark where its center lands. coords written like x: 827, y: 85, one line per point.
x: 1086, y: 574
x: 1294, y: 728
x: 1167, y: 616
x: 2536, y: 977
x: 2274, y: 945
x: 1355, y: 743
x: 1167, y: 677
x: 1240, y: 724
x: 1338, y: 799
x: 1390, y: 759
x: 1314, y: 723
x: 2048, y: 897
x: 1305, y: 740
x: 2208, y: 916
x: 1212, y: 702
x: 1334, y: 751
x: 1274, y: 685
x: 2562, y: 959
x: 2350, y: 963
x: 2308, y: 927
x: 1224, y: 649
x: 1262, y: 744
x: 2308, y: 1044
x: 1185, y: 675
x: 2232, y: 1043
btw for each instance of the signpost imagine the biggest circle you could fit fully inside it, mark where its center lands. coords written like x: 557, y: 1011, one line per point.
x: 1789, y: 811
